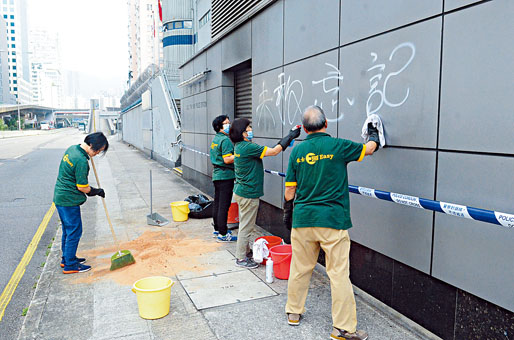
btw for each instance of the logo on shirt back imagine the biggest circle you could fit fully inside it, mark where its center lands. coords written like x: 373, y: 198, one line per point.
x: 312, y: 158
x: 214, y: 145
x: 66, y: 159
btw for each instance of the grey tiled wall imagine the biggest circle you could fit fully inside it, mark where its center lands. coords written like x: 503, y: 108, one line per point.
x: 438, y: 72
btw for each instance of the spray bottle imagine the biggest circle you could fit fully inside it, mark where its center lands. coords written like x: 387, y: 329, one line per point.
x: 269, y: 270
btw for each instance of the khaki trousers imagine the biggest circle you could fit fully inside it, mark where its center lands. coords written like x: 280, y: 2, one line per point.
x: 306, y: 243
x: 247, y: 216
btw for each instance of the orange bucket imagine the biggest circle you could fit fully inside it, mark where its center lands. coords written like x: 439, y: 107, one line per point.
x: 233, y: 213
x: 272, y: 241
x: 281, y: 256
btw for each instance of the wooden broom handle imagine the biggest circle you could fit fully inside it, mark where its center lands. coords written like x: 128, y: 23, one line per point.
x: 105, y: 207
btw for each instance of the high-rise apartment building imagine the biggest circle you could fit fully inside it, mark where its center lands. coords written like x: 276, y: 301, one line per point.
x: 46, y: 77
x: 5, y: 95
x: 14, y: 14
x: 145, y: 36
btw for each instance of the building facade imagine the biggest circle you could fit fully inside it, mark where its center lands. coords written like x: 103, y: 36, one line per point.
x: 5, y: 94
x: 15, y: 17
x: 144, y: 36
x: 435, y: 72
x: 45, y: 65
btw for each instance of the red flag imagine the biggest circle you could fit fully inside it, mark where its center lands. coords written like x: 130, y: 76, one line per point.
x: 160, y: 10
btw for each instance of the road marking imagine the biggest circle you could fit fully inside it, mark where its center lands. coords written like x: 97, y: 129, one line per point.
x: 9, y: 290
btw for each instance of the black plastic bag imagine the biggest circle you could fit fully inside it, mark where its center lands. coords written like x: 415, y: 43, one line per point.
x: 199, y: 206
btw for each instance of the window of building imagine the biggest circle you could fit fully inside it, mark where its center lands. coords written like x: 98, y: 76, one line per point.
x: 11, y: 2
x: 15, y: 81
x: 14, y: 60
x: 5, y: 2
x: 149, y: 7
x: 14, y: 67
x: 205, y: 19
x: 12, y: 39
x: 5, y: 16
x: 14, y: 74
x: 13, y: 45
x: 178, y: 25
x: 12, y: 24
x: 5, y: 9
x: 12, y: 31
x: 12, y: 16
x: 188, y: 24
x: 15, y: 88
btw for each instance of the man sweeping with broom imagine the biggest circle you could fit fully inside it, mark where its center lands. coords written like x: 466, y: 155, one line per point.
x: 70, y: 193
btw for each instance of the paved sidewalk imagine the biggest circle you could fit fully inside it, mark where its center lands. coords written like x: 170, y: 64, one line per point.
x: 211, y: 298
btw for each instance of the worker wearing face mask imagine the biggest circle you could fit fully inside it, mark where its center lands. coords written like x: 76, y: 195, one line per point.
x: 222, y: 159
x: 249, y: 185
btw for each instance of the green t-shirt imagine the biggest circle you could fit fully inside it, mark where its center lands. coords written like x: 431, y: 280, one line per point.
x: 317, y: 167
x: 249, y: 170
x: 221, y: 147
x: 73, y: 172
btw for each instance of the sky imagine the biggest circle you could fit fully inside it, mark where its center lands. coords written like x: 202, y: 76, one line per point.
x: 93, y: 38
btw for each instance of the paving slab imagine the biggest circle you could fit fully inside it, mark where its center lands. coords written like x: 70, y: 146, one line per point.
x: 224, y: 289
x: 219, y: 262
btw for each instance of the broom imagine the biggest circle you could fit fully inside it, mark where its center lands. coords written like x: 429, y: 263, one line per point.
x: 123, y: 257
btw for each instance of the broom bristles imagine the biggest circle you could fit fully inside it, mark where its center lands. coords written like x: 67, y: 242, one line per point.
x: 121, y: 259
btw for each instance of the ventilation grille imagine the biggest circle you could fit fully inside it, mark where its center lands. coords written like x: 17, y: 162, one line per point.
x: 226, y: 12
x: 243, y: 95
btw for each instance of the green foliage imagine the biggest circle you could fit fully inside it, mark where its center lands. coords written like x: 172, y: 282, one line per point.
x: 24, y: 312
x: 3, y: 126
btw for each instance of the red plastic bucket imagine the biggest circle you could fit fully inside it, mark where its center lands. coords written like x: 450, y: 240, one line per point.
x: 281, y: 256
x: 272, y: 241
x: 233, y: 213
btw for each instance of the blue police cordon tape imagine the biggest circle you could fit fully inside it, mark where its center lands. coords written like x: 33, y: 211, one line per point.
x: 489, y: 216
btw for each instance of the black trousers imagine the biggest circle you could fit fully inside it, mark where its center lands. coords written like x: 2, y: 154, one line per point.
x: 222, y: 200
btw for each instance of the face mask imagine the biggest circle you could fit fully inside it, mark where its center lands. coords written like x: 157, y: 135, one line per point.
x: 226, y: 128
x: 250, y: 135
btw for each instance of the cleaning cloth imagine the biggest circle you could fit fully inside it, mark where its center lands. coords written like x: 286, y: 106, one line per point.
x: 260, y: 250
x: 377, y: 123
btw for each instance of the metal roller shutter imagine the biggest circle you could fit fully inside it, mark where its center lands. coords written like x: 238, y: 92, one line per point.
x: 243, y: 95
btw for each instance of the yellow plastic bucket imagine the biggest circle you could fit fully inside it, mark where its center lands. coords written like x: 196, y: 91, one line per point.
x: 179, y: 210
x: 153, y: 296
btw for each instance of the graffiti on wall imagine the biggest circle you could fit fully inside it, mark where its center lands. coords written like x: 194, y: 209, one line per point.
x: 284, y: 103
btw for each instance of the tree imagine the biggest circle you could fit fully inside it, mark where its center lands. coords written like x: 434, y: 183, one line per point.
x: 3, y: 126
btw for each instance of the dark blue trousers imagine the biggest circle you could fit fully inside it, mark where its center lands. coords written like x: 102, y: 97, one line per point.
x: 71, y: 233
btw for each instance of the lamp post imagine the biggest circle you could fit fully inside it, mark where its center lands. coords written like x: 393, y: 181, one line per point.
x: 19, y: 116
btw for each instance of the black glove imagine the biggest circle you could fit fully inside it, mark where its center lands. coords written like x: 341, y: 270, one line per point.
x: 288, y: 214
x: 293, y: 133
x: 94, y: 192
x: 373, y: 135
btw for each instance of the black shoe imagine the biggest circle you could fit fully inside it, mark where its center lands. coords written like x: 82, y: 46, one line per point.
x: 80, y: 260
x: 247, y: 263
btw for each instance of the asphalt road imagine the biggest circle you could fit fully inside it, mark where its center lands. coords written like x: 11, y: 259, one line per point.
x: 28, y: 170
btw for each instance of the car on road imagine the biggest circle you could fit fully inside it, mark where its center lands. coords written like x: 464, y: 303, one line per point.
x: 47, y: 125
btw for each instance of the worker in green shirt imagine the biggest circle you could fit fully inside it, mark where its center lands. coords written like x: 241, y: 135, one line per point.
x: 317, y: 174
x: 70, y: 192
x: 222, y: 159
x: 249, y: 185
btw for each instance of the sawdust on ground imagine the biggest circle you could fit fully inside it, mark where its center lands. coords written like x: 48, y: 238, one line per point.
x: 157, y: 253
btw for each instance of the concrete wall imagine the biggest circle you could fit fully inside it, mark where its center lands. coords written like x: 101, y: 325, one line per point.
x: 436, y: 71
